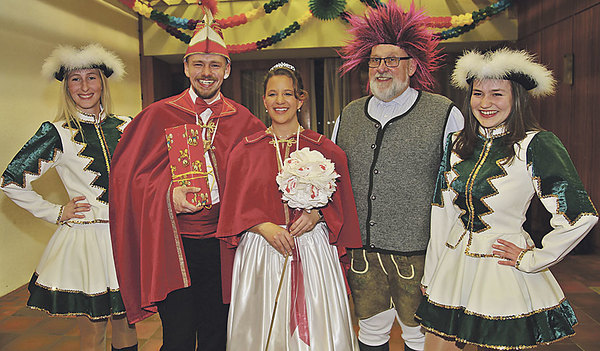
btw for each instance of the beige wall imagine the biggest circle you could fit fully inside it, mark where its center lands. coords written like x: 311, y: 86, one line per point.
x: 29, y: 31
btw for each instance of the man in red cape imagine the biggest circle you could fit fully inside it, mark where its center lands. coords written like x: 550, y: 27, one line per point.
x: 166, y: 256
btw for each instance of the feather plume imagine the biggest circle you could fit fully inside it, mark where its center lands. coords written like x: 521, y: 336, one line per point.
x: 211, y: 5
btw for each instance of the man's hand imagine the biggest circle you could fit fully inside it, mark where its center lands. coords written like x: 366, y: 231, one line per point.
x: 181, y: 204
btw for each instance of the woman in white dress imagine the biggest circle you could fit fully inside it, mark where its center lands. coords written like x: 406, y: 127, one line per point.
x: 308, y: 308
x: 76, y: 274
x: 485, y: 282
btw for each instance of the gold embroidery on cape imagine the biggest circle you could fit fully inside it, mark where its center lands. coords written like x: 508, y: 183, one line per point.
x: 177, y: 238
x: 169, y: 141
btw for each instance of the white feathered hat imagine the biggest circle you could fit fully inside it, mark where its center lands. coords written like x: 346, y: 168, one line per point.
x: 67, y: 58
x: 515, y: 65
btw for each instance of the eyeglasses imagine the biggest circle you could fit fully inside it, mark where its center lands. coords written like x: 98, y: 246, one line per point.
x: 390, y: 62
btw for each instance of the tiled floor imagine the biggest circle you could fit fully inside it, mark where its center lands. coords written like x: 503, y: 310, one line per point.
x: 25, y: 329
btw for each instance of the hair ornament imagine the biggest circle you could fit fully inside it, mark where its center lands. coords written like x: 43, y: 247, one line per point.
x: 67, y: 58
x: 391, y: 24
x: 515, y: 65
x: 284, y: 65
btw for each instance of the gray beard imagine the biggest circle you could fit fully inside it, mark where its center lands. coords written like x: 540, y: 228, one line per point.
x: 390, y: 94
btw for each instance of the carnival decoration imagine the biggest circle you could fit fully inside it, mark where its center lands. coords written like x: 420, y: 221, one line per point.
x: 321, y: 9
x: 326, y: 9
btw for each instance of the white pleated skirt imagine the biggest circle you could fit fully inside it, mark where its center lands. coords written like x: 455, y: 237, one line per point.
x: 478, y: 301
x: 76, y: 274
x: 256, y: 274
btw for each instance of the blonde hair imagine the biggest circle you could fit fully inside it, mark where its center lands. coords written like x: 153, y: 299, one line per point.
x: 67, y: 109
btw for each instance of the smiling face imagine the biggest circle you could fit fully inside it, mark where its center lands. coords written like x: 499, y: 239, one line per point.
x: 387, y: 83
x: 206, y: 73
x: 491, y: 101
x: 281, y: 102
x: 85, y: 88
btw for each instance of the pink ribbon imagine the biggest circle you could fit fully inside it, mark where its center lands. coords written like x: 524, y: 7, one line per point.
x: 298, y: 315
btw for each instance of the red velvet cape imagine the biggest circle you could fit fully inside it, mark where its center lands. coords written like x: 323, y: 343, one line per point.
x: 252, y: 196
x: 146, y: 232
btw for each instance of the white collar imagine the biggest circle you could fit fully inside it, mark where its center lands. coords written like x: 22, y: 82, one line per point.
x: 493, y: 132
x: 91, y: 118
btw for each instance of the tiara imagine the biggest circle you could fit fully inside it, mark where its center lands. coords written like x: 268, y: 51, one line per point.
x: 283, y: 65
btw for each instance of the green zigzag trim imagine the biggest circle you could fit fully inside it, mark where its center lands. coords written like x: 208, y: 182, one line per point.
x: 42, y: 147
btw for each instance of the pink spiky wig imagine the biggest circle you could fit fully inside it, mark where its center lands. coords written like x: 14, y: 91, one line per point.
x: 389, y: 24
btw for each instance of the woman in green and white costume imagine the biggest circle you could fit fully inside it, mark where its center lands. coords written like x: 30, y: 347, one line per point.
x: 76, y: 274
x: 485, y: 283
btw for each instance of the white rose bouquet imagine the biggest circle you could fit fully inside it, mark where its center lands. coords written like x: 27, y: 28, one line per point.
x: 307, y: 179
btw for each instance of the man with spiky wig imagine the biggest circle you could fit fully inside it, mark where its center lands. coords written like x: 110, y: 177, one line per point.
x: 394, y: 141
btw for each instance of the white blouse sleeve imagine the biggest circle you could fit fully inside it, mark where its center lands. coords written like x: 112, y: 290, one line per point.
x: 443, y: 216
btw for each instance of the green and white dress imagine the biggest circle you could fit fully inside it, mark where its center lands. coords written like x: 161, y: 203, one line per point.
x: 469, y: 296
x: 76, y: 274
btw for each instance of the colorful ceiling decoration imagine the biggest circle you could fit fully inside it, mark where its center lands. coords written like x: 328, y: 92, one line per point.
x: 320, y: 9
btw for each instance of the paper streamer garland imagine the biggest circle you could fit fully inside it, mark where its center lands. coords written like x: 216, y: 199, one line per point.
x: 326, y: 9
x: 321, y: 9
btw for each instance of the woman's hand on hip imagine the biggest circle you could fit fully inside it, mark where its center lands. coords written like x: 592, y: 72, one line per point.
x: 73, y: 209
x: 507, y: 251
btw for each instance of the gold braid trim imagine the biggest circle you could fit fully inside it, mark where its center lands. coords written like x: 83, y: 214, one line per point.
x: 494, y: 347
x: 520, y: 257
x: 77, y: 314
x: 499, y: 318
x: 94, y: 221
x: 60, y: 213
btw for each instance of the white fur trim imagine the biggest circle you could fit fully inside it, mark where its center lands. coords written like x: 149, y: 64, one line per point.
x: 497, y: 64
x: 71, y: 58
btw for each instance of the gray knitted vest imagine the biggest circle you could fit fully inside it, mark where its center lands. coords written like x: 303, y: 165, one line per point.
x: 393, y: 171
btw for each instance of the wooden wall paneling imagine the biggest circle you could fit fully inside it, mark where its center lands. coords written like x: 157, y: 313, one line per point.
x: 529, y: 14
x: 163, y: 79
x: 554, y: 110
x: 586, y: 87
x: 538, y: 219
x: 147, y: 80
x: 580, y: 5
x: 556, y: 10
x: 533, y: 44
x: 356, y: 89
x: 586, y: 94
